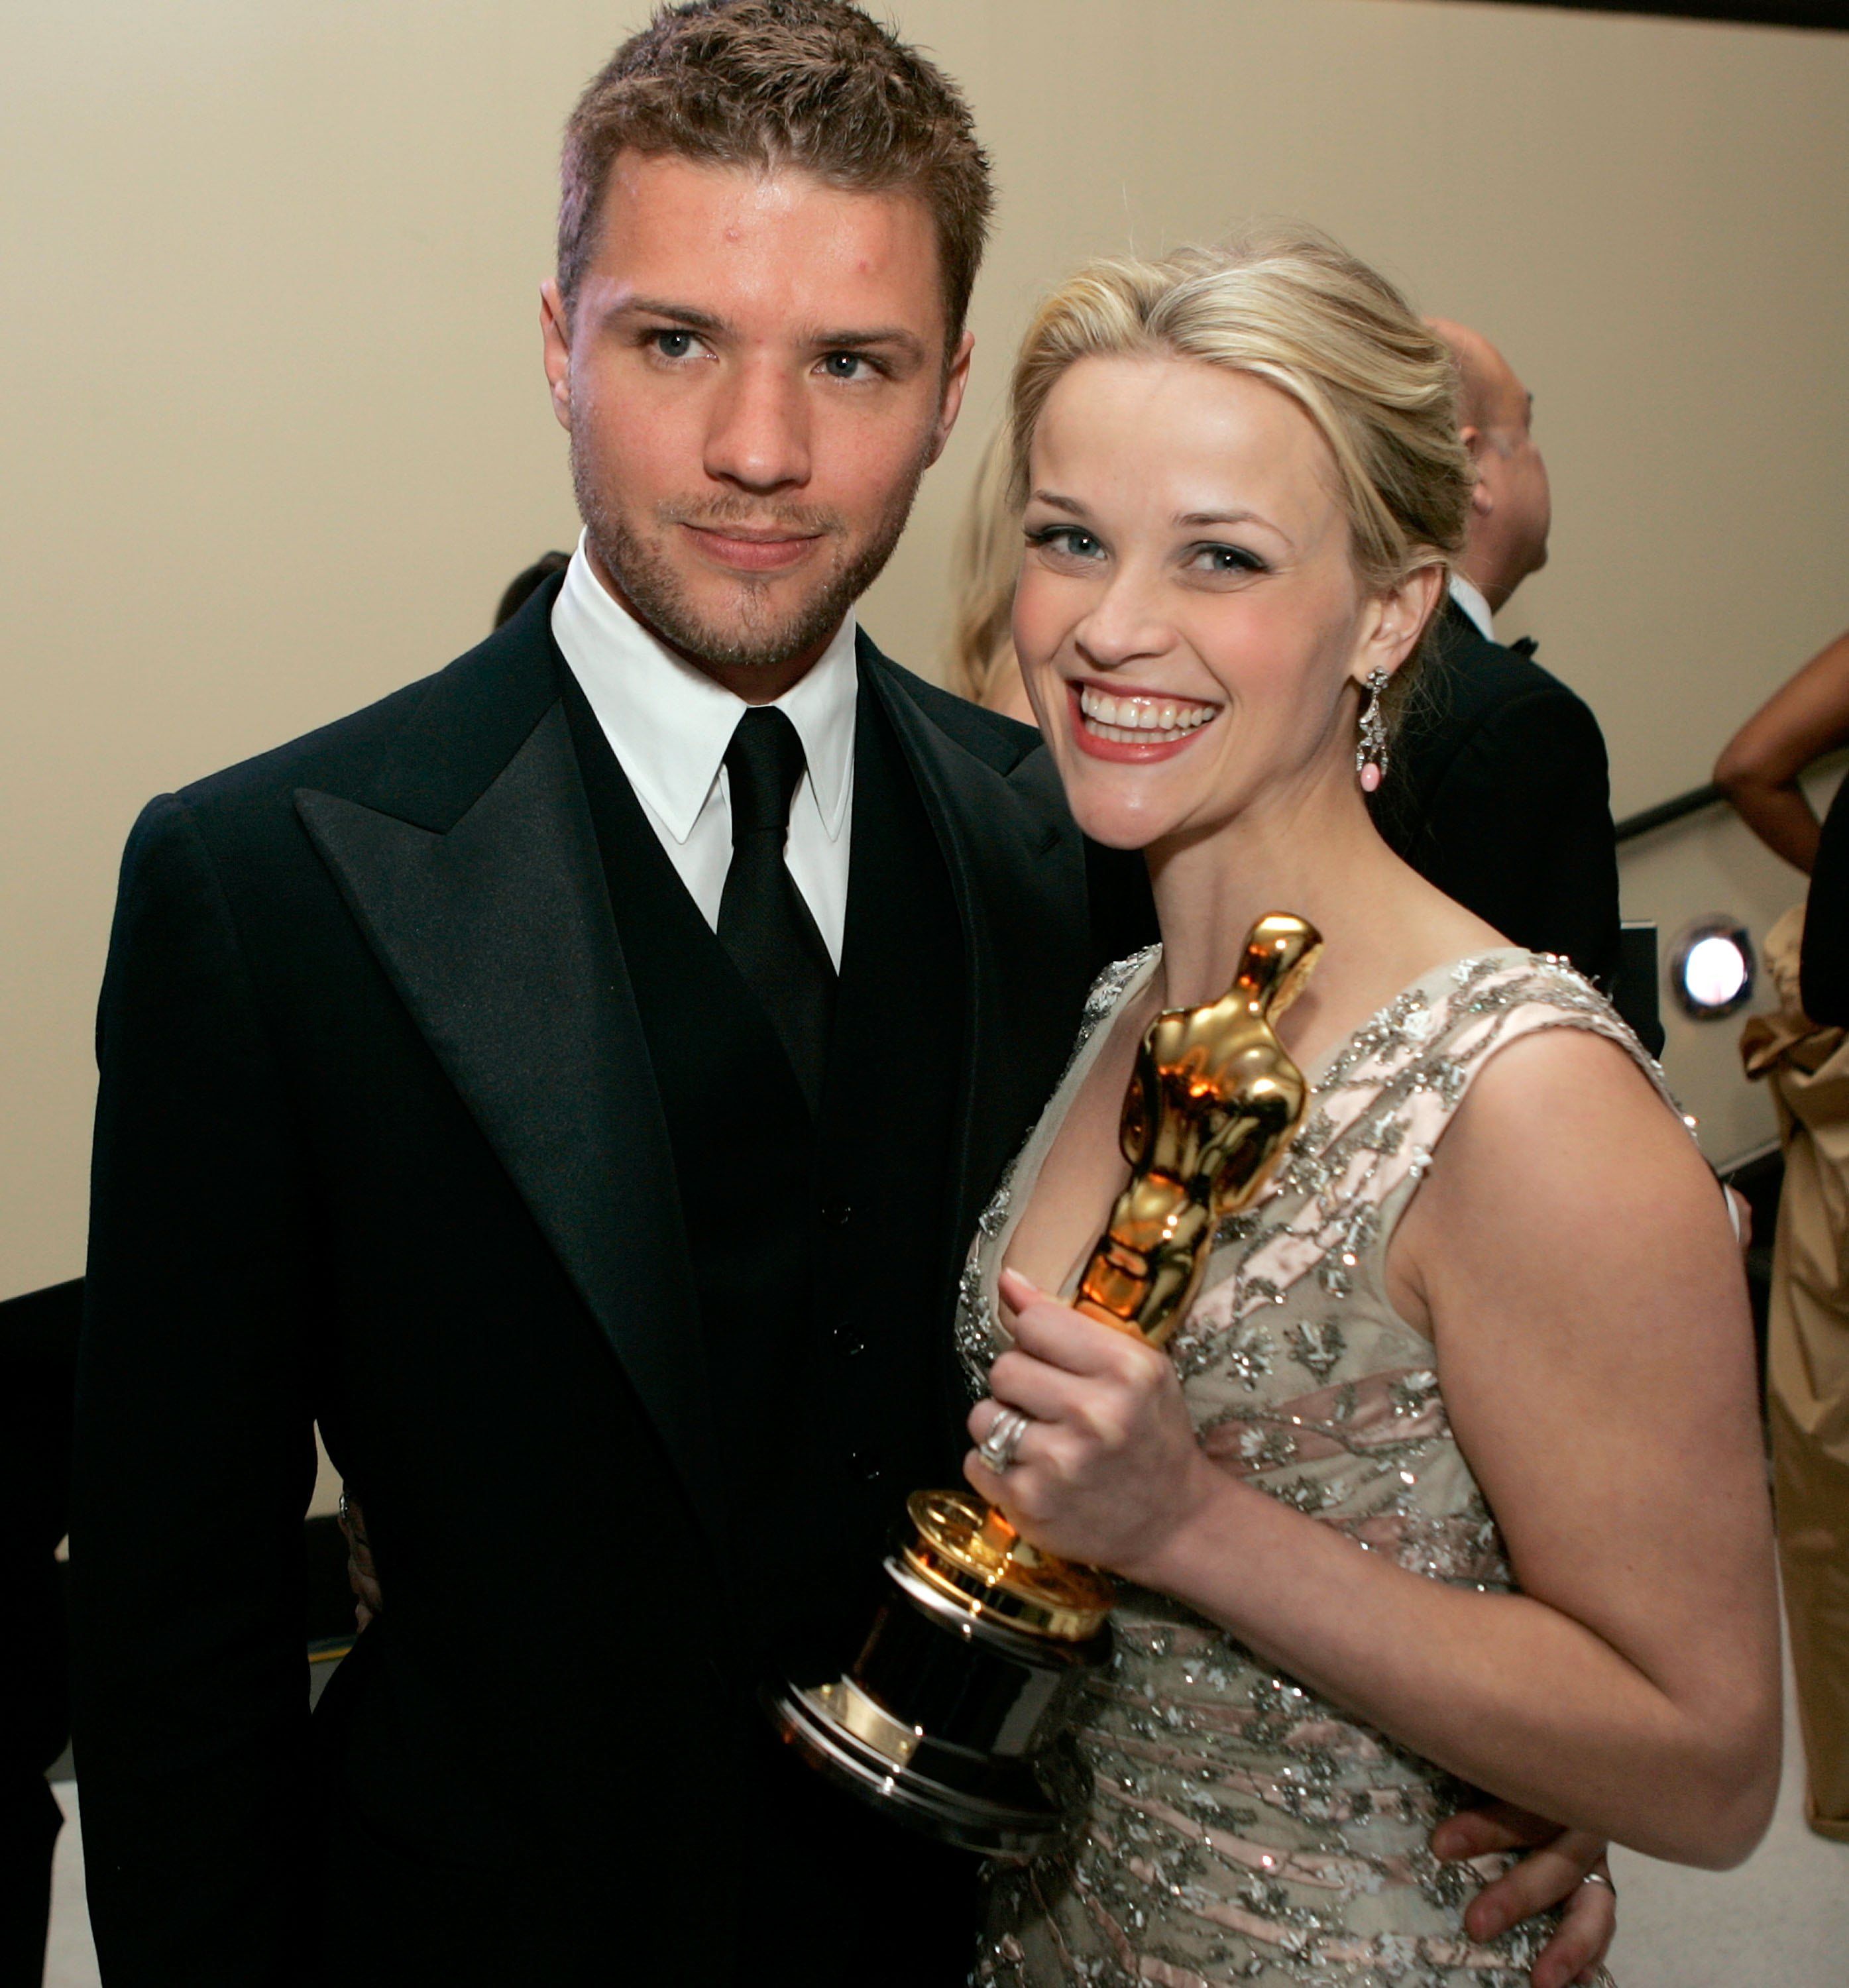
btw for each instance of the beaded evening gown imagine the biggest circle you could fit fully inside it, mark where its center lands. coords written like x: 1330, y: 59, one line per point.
x: 1230, y: 1825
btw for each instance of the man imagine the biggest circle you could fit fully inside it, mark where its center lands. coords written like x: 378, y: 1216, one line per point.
x: 471, y: 1081
x: 573, y: 1081
x: 1498, y: 789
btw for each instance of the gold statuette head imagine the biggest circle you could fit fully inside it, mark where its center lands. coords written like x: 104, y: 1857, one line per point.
x: 1211, y: 1107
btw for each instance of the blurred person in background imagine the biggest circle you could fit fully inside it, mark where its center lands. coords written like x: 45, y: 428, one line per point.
x: 1760, y: 772
x: 1500, y: 793
x: 38, y: 1372
x: 985, y: 560
x: 1802, y: 1051
x: 526, y: 583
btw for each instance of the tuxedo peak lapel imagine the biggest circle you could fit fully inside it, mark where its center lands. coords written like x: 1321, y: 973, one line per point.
x: 472, y: 718
x: 497, y: 935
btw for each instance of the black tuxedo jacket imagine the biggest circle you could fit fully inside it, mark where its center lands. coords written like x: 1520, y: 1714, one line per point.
x: 1499, y: 793
x: 378, y: 1142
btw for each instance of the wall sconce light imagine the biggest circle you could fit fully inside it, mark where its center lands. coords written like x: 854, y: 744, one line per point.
x: 1711, y: 969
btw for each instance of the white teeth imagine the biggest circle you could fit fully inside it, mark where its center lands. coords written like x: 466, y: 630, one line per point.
x: 1140, y: 720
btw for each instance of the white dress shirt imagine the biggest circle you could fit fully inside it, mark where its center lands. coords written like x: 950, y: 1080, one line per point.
x: 1471, y: 600
x: 669, y: 725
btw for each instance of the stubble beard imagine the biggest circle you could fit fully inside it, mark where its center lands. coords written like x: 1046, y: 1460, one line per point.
x: 755, y: 636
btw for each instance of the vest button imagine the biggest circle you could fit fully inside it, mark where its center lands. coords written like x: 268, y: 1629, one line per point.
x: 837, y: 1214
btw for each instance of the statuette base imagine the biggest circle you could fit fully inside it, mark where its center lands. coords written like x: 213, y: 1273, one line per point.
x: 943, y: 1717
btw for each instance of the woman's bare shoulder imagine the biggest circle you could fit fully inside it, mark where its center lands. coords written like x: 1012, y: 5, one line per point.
x: 1565, y: 1123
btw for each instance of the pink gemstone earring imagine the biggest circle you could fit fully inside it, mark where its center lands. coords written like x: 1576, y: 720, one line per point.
x: 1370, y: 750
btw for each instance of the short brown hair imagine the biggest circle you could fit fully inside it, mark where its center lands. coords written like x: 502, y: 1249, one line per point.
x: 815, y: 84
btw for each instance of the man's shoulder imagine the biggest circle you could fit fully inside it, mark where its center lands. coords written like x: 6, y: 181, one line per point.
x: 442, y: 737
x: 1471, y: 677
x: 1481, y: 721
x: 339, y: 753
x: 1001, y: 743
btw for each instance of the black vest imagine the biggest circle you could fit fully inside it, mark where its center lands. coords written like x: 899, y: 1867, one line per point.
x: 821, y: 1259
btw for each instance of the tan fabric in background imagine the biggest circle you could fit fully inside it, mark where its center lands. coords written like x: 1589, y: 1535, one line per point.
x: 1808, y: 1389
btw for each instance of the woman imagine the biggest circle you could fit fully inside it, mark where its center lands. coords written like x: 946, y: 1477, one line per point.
x: 1759, y: 770
x: 1802, y: 1051
x: 1452, y: 1476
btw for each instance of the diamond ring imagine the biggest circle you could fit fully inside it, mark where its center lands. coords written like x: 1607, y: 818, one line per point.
x: 997, y: 1449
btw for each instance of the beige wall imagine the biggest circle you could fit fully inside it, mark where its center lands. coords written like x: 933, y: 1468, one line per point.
x: 274, y: 433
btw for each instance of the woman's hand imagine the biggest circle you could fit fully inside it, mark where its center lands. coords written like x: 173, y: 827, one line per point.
x: 1109, y: 1469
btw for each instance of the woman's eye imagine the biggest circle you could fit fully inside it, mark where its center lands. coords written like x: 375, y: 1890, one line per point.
x: 1069, y: 540
x: 1225, y: 559
x: 672, y: 344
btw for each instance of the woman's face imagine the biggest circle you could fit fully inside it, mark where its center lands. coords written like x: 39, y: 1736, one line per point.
x: 1189, y: 615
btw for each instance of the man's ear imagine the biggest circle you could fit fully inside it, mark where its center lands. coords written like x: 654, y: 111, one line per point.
x: 956, y: 378
x: 1482, y: 500
x: 555, y: 333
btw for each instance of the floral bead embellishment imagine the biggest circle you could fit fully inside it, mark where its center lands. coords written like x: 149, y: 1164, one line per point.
x: 1248, y: 1352
x: 1317, y: 1347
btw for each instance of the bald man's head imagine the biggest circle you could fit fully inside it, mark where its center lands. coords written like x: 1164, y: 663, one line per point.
x: 1512, y: 508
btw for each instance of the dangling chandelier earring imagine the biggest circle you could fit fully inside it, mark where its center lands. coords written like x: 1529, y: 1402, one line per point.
x: 1370, y: 752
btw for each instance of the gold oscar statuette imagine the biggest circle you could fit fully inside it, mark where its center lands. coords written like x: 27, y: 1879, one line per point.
x: 973, y: 1663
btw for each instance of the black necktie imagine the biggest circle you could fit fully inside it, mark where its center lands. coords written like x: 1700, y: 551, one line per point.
x: 763, y: 921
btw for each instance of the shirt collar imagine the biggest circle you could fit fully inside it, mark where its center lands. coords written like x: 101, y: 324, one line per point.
x: 1471, y: 600
x: 670, y: 724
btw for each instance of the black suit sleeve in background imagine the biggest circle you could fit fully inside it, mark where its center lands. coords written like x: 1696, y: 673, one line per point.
x: 1518, y: 830
x: 38, y: 1362
x: 190, y: 1702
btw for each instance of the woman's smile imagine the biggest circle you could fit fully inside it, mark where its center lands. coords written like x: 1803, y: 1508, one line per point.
x: 1134, y: 725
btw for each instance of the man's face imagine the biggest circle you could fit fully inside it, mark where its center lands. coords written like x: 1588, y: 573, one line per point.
x: 753, y: 378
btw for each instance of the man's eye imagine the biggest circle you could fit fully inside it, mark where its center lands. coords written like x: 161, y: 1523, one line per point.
x: 1068, y: 539
x: 845, y: 365
x: 672, y: 344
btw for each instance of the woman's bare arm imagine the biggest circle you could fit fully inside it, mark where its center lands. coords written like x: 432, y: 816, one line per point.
x: 1759, y: 770
x: 1592, y: 1338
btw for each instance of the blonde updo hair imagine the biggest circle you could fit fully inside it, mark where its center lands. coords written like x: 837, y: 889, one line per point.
x: 1288, y: 305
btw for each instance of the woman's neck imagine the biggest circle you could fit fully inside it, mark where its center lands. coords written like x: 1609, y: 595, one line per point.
x: 1319, y: 855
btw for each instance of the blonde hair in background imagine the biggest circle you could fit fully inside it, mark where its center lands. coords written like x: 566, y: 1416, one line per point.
x: 1282, y: 301
x: 985, y: 563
